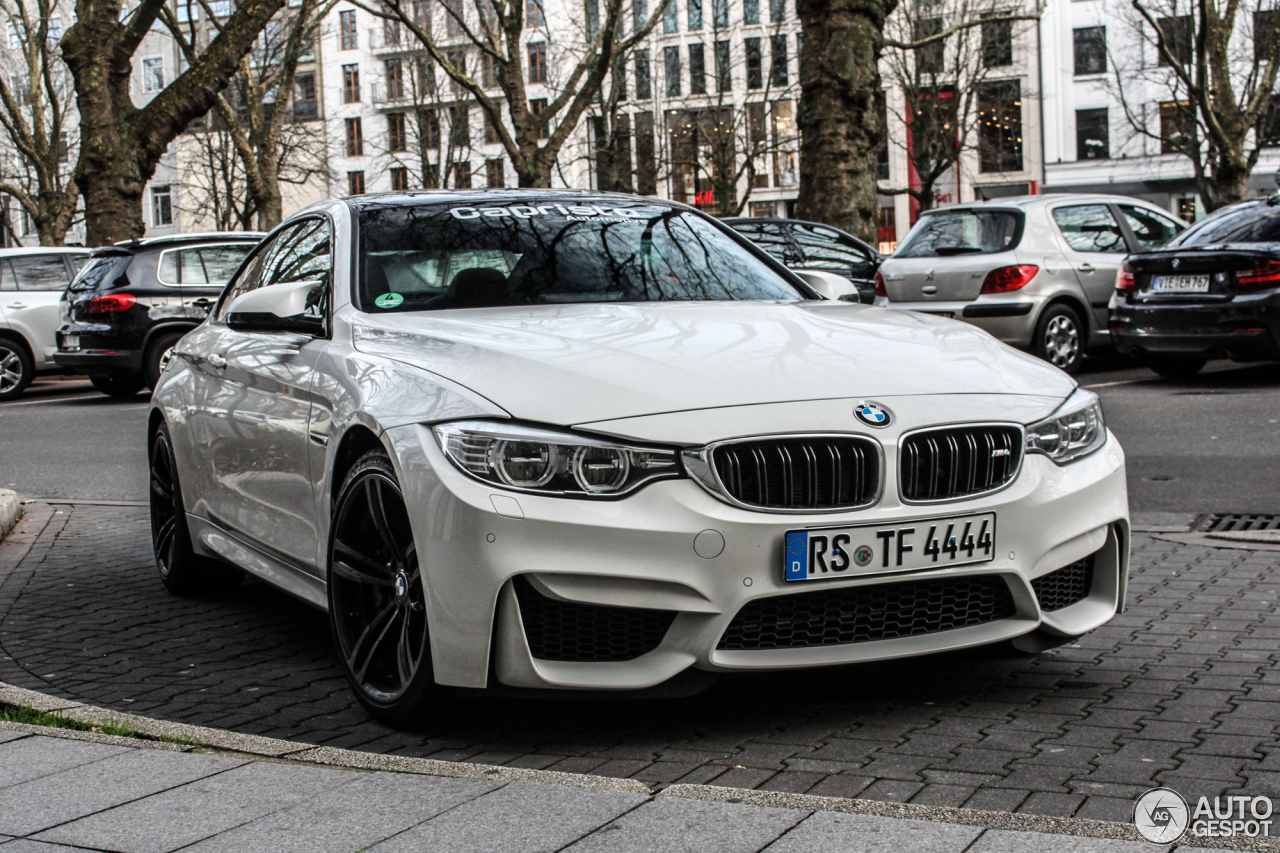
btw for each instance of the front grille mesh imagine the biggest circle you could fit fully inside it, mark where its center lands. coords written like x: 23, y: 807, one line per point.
x: 1066, y: 586
x: 568, y: 631
x: 809, y: 472
x: 864, y: 613
x: 956, y: 462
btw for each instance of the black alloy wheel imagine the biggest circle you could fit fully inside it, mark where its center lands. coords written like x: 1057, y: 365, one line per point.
x: 377, y: 605
x: 16, y: 369
x: 183, y: 571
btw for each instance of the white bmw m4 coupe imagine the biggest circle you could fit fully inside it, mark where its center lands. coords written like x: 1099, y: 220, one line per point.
x: 585, y: 441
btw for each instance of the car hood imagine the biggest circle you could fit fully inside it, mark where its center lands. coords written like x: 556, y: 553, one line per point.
x: 573, y: 364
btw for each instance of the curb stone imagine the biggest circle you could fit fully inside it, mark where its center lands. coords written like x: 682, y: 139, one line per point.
x: 10, y: 511
x: 264, y: 748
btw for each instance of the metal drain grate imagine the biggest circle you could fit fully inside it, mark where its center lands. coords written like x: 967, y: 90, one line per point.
x: 1224, y: 522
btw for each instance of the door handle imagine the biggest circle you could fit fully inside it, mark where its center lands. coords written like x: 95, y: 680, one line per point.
x: 203, y: 302
x: 1086, y: 268
x: 929, y: 289
x: 17, y: 305
x: 218, y: 361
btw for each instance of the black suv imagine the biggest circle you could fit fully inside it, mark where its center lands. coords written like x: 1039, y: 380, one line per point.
x: 133, y: 301
x: 804, y: 245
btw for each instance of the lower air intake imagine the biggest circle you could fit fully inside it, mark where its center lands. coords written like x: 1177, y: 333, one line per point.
x: 568, y: 631
x: 834, y: 617
x: 1066, y: 586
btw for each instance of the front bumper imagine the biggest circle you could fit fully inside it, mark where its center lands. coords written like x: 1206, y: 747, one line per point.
x: 1008, y: 317
x: 640, y: 552
x: 1245, y: 328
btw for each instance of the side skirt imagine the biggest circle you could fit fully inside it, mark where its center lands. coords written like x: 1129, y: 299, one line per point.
x: 211, y: 540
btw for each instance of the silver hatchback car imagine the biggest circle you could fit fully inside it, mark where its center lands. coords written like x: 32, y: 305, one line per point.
x: 1036, y: 272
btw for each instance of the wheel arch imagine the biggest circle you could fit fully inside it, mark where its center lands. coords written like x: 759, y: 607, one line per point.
x: 358, y: 440
x: 1072, y: 301
x: 165, y: 328
x: 19, y: 339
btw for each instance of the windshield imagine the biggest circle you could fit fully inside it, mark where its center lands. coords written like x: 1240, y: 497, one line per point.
x: 100, y: 273
x: 1249, y: 223
x: 962, y: 232
x: 434, y: 257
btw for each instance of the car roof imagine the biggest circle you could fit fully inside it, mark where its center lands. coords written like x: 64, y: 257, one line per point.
x: 1025, y: 201
x: 18, y: 251
x: 500, y: 196
x: 196, y: 237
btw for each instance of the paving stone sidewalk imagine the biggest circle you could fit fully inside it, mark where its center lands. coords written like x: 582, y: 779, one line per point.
x: 60, y: 795
x: 1182, y: 690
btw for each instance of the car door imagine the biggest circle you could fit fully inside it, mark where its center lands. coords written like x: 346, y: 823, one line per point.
x: 253, y: 403
x: 1095, y: 248
x: 829, y: 250
x: 30, y: 299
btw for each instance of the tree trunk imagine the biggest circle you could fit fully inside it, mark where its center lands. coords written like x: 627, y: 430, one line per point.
x: 839, y: 119
x: 1230, y: 183
x: 270, y: 201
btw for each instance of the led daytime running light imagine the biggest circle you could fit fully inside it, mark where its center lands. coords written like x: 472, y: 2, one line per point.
x: 1075, y: 430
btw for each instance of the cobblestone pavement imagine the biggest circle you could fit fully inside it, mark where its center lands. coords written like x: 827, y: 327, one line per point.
x: 1181, y: 690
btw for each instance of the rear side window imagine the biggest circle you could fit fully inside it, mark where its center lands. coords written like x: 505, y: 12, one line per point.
x: 1090, y: 228
x: 1250, y: 223
x: 773, y: 240
x: 1152, y: 229
x: 825, y: 249
x: 202, y: 265
x: 963, y: 232
x: 40, y: 272
x: 101, y: 272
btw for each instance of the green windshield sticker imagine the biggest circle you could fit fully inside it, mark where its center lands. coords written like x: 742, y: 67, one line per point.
x: 388, y: 300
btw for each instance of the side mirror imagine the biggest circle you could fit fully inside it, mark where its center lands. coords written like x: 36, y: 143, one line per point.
x: 292, y: 307
x: 829, y: 284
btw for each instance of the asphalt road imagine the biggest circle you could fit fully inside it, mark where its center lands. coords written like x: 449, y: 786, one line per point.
x: 1207, y: 444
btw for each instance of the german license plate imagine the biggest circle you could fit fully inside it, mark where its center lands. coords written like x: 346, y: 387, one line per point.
x: 1180, y: 284
x: 834, y: 553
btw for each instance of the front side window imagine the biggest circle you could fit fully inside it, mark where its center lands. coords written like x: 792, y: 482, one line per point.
x: 1090, y: 228
x: 1152, y: 229
x: 773, y: 240
x: 825, y: 249
x: 201, y: 265
x: 40, y: 272
x: 1245, y: 223
x: 962, y: 232
x: 435, y: 257
x: 300, y: 253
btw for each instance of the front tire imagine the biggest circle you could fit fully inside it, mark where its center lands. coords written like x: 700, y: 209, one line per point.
x: 120, y: 387
x: 182, y: 570
x: 1174, y: 366
x: 16, y: 370
x: 377, y: 600
x: 1060, y: 338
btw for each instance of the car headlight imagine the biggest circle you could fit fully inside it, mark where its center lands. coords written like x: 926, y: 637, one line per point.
x: 530, y: 459
x: 1075, y: 430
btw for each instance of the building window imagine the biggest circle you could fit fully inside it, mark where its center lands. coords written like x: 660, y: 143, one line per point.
x: 997, y: 43
x: 536, y: 106
x: 355, y: 183
x: 1187, y: 209
x: 1175, y: 35
x: 537, y: 62
x: 1269, y: 129
x: 488, y: 71
x: 1093, y: 135
x: 671, y: 18
x: 397, y: 132
x: 671, y: 70
x: 153, y: 74
x: 161, y: 205
x: 305, y: 105
x: 1177, y: 127
x: 1000, y: 126
x: 351, y: 84
x: 1264, y: 34
x: 697, y: 70
x: 695, y: 14
x: 453, y: 12
x: 777, y: 11
x: 750, y: 12
x: 882, y: 150
x: 639, y: 13
x: 390, y: 33
x: 347, y: 29
x: 428, y: 129
x: 931, y: 58
x: 778, y: 60
x: 493, y: 173
x: 395, y: 79
x: 457, y: 60
x: 534, y: 15
x: 490, y: 132
x: 355, y: 138
x: 399, y: 179
x: 755, y: 63
x: 724, y: 74
x: 644, y: 82
x: 1091, y: 50
x: 462, y: 175
x: 720, y: 14
x: 592, y: 8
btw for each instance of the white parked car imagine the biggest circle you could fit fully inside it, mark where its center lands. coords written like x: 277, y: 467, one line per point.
x: 31, y: 283
x: 586, y: 441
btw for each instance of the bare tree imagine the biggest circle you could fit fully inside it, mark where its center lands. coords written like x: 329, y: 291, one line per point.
x: 513, y: 45
x: 213, y: 181
x: 121, y: 143
x: 38, y: 116
x: 1213, y: 84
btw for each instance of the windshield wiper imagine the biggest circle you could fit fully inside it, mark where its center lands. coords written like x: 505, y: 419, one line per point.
x: 944, y: 251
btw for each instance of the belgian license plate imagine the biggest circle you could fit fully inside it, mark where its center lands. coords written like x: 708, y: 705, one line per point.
x: 1180, y: 284
x: 834, y: 553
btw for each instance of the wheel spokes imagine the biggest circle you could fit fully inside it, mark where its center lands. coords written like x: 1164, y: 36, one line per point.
x: 165, y: 538
x: 370, y: 639
x: 378, y: 511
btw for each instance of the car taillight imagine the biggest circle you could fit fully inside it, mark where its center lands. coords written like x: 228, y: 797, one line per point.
x: 1267, y: 275
x: 1005, y: 279
x: 1125, y: 279
x: 880, y: 288
x: 111, y: 303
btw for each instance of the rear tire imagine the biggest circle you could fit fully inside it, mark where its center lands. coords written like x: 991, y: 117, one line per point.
x: 120, y: 387
x: 377, y: 598
x: 1175, y: 366
x: 1060, y: 338
x: 182, y: 570
x: 151, y: 363
x: 16, y: 369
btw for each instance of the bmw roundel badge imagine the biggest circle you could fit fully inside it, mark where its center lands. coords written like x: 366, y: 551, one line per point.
x: 872, y: 414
